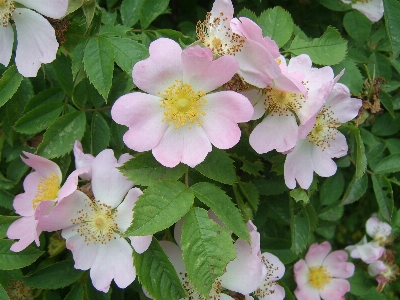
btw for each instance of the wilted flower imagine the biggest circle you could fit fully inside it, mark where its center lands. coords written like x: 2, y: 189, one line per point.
x: 384, y: 269
x: 36, y: 38
x: 321, y: 275
x: 372, y: 9
x: 179, y: 119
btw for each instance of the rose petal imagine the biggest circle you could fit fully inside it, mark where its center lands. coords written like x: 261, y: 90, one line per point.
x: 7, y: 41
x: 55, y: 9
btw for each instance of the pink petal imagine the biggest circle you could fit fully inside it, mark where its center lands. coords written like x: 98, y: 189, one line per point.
x: 299, y: 165
x: 369, y: 252
x: 143, y: 115
x: 84, y: 253
x: 256, y: 98
x: 156, y: 73
x: 7, y: 41
x: 376, y: 268
x: 71, y: 183
x: 55, y: 9
x: 113, y: 261
x: 256, y: 64
x: 23, y: 203
x: 202, y: 72
x: 337, y: 146
x: 83, y: 160
x: 124, y: 158
x: 335, y: 289
x: 174, y: 254
x: 140, y: 243
x: 124, y: 215
x: 301, y: 273
x: 276, y: 269
x: 273, y: 291
x: 224, y: 6
x: 337, y: 265
x: 221, y: 131
x: 372, y: 9
x: 41, y: 165
x: 323, y: 165
x: 317, y: 253
x: 108, y: 184
x: 344, y: 107
x: 274, y: 132
x: 37, y: 42
x: 307, y: 292
x: 24, y: 229
x: 290, y: 83
x: 189, y: 146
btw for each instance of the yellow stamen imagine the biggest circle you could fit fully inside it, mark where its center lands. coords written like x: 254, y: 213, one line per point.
x: 319, y: 277
x: 282, y: 103
x: 47, y: 189
x: 183, y: 105
x: 325, y: 128
x: 6, y: 9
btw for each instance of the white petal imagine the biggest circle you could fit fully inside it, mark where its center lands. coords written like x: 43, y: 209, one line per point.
x: 6, y: 45
x: 55, y: 9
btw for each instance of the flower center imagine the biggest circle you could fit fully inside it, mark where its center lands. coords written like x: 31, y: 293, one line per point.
x: 215, y: 293
x: 48, y: 188
x: 319, y: 277
x: 325, y: 128
x: 217, y: 35
x: 6, y: 9
x: 281, y: 102
x: 183, y: 105
x: 98, y: 225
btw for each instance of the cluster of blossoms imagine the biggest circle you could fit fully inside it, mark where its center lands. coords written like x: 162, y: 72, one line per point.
x: 36, y: 37
x: 381, y: 262
x: 195, y: 98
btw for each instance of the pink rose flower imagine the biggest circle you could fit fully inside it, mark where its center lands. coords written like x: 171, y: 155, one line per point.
x: 179, y: 118
x: 321, y: 275
x: 37, y: 41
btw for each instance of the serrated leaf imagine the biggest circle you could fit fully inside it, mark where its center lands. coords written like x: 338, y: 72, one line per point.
x: 157, y: 274
x: 352, y: 77
x: 10, y: 260
x: 3, y: 294
x: 145, y: 170
x: 128, y: 52
x: 100, y: 134
x: 98, y: 61
x: 387, y: 102
x: 160, y: 206
x: 385, y: 125
x: 9, y: 84
x: 55, y: 276
x: 332, y: 214
x: 389, y: 164
x: 218, y: 166
x: 151, y: 10
x: 360, y: 158
x: 52, y: 95
x: 277, y: 23
x: 250, y: 192
x: 329, y: 49
x: 207, y: 249
x: 332, y: 189
x: 39, y: 118
x: 73, y: 5
x: 355, y: 189
x: 299, y: 195
x: 76, y: 293
x: 63, y: 70
x: 77, y: 58
x: 247, y: 13
x: 392, y: 22
x: 384, y: 195
x: 223, y: 207
x: 299, y: 228
x: 130, y: 11
x: 61, y: 135
x: 89, y: 8
x: 5, y: 222
x: 357, y: 25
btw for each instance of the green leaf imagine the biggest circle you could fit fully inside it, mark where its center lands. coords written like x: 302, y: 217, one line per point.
x: 76, y: 293
x: 151, y: 10
x: 62, y: 66
x: 357, y: 25
x: 223, y: 207
x: 299, y: 228
x: 100, y: 134
x: 218, y: 166
x: 145, y: 170
x: 207, y: 249
x: 247, y: 13
x: 9, y: 84
x: 55, y: 276
x: 39, y: 118
x: 329, y: 49
x: 332, y: 189
x: 52, y: 95
x: 99, y: 63
x: 3, y: 294
x: 10, y: 260
x: 160, y: 206
x: 5, y: 222
x: 355, y: 189
x: 128, y: 52
x: 387, y: 102
x: 389, y: 164
x: 336, y: 5
x: 299, y: 195
x: 392, y: 22
x: 250, y: 192
x: 73, y: 5
x: 157, y: 274
x: 384, y: 195
x: 352, y: 77
x: 61, y: 135
x: 89, y: 8
x: 360, y: 158
x: 130, y: 11
x: 331, y: 214
x: 385, y: 125
x: 380, y: 66
x: 277, y: 23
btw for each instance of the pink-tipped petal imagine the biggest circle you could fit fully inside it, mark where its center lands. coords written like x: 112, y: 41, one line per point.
x: 24, y: 229
x: 307, y: 292
x: 156, y: 73
x: 224, y: 6
x: 344, y: 107
x: 335, y: 289
x: 23, y: 203
x: 37, y: 42
x: 7, y: 41
x: 202, y: 72
x: 108, y: 184
x: 143, y: 114
x: 274, y: 132
x: 41, y: 165
x: 337, y: 265
x: 317, y: 253
x: 55, y: 9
